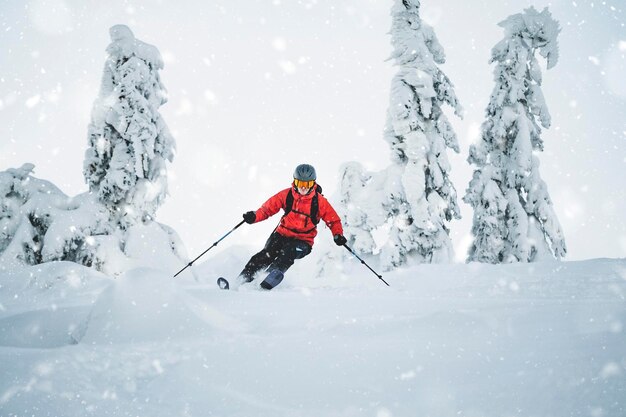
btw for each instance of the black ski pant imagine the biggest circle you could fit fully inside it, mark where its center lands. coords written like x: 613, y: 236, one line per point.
x: 279, y: 254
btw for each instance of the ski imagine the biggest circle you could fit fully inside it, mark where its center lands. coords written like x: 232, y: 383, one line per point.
x: 223, y: 283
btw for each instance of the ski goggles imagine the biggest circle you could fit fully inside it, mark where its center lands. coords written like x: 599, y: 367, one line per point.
x: 303, y: 184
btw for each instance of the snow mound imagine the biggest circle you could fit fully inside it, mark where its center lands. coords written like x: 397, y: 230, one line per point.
x: 154, y: 246
x: 145, y: 305
x: 46, y: 328
x: 47, y: 304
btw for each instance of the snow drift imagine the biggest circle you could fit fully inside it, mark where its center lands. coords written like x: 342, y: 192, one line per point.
x: 542, y: 339
x: 146, y: 305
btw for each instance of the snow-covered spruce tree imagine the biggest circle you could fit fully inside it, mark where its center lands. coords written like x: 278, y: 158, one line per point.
x: 354, y: 196
x: 514, y: 220
x: 129, y: 143
x: 418, y: 198
x: 109, y: 228
x: 38, y: 223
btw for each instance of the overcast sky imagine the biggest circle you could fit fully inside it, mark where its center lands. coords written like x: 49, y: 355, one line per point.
x: 257, y: 87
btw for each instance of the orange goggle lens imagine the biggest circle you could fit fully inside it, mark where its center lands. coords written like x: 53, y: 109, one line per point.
x: 306, y: 184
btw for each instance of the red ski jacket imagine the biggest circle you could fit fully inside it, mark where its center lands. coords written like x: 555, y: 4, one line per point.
x: 297, y: 223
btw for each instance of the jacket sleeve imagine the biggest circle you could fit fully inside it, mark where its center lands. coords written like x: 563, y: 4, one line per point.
x: 271, y: 206
x: 330, y: 216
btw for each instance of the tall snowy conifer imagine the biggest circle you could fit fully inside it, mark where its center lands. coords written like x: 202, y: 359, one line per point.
x: 129, y: 143
x: 413, y: 198
x: 419, y: 133
x: 514, y: 220
x: 108, y: 228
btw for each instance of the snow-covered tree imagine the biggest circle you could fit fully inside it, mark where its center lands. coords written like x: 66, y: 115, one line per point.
x: 111, y: 227
x: 354, y: 191
x: 416, y: 196
x: 39, y: 224
x: 513, y: 215
x: 129, y: 143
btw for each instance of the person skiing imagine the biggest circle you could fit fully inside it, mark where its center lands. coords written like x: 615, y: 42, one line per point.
x: 303, y: 205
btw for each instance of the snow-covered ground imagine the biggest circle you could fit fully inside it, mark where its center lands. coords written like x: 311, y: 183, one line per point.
x: 472, y: 340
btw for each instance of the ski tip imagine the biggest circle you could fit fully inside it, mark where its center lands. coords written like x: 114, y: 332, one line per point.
x: 223, y: 283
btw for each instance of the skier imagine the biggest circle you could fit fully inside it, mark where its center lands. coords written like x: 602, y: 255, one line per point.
x: 303, y: 205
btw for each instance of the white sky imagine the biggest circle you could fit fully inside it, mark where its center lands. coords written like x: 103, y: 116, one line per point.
x: 257, y: 87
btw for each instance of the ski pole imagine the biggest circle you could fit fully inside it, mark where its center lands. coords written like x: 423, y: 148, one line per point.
x: 380, y: 277
x: 215, y: 244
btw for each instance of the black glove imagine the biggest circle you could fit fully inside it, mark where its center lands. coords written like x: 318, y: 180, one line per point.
x: 339, y: 240
x: 249, y: 217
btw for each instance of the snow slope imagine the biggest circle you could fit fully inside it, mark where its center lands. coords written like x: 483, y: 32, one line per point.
x: 443, y: 340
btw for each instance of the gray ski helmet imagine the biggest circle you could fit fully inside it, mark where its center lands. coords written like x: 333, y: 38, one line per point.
x: 305, y: 172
